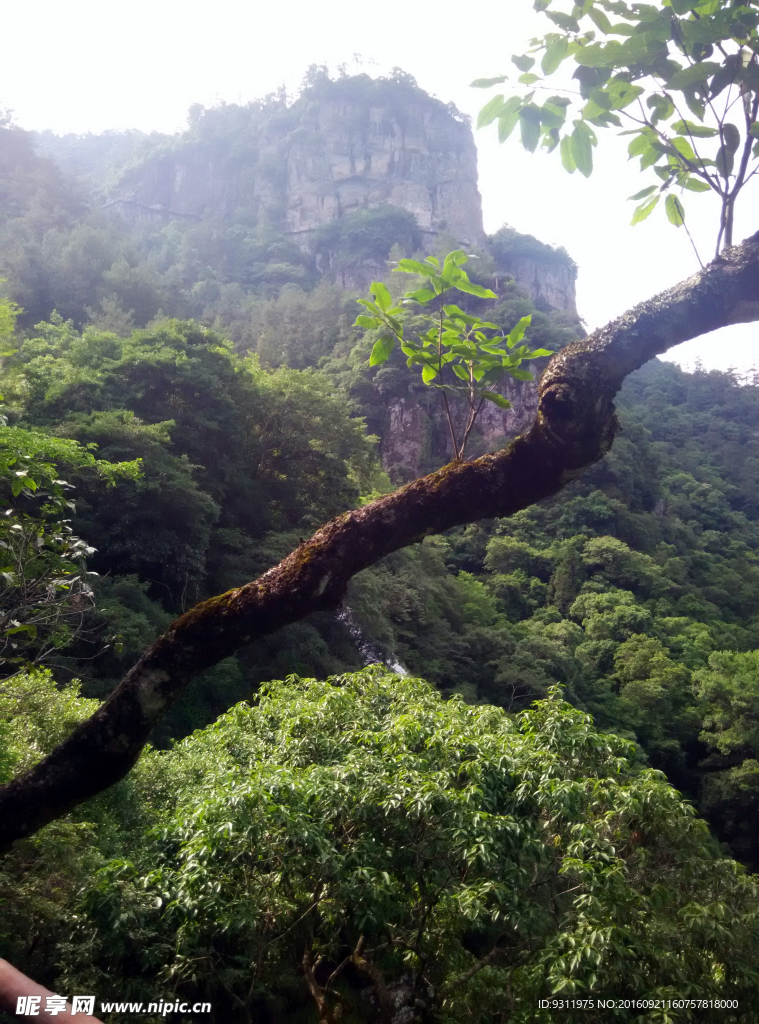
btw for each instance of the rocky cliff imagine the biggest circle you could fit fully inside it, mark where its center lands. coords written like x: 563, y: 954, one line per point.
x: 343, y: 146
x: 418, y: 156
x: 415, y: 437
x: 547, y: 274
x: 351, y: 169
x: 342, y: 149
x: 416, y: 434
x: 550, y: 286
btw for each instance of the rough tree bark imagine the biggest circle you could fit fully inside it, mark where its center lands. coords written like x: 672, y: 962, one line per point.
x: 574, y: 428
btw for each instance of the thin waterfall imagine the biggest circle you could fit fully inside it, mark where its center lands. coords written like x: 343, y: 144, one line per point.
x: 369, y: 650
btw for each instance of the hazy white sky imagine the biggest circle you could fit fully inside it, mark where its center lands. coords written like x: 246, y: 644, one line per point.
x: 88, y: 65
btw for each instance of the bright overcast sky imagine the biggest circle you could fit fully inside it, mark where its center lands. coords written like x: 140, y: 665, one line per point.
x: 88, y: 65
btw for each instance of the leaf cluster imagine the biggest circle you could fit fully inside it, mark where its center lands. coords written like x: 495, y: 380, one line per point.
x: 366, y: 835
x: 458, y: 352
x: 680, y: 77
x: 45, y: 589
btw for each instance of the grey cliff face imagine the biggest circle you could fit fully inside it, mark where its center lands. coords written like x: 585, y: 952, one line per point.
x: 340, y: 157
x: 417, y: 433
x: 552, y: 286
x: 419, y: 158
x: 187, y: 185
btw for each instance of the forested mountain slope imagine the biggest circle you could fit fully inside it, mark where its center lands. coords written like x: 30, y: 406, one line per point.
x: 245, y: 201
x: 621, y: 588
x: 219, y: 351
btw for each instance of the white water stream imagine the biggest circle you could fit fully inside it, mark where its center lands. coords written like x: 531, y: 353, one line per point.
x: 371, y: 652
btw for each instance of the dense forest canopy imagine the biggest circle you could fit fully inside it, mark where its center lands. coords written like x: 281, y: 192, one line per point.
x: 186, y: 401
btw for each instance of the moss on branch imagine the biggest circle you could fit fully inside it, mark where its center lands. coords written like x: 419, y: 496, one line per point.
x: 574, y: 428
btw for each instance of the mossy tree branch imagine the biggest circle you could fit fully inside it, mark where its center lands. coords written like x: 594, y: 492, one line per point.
x: 574, y: 428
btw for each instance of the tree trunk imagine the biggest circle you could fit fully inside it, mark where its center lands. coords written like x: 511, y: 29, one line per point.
x: 574, y: 428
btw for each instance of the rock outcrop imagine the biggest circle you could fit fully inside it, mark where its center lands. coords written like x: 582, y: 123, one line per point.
x: 344, y: 146
x: 417, y: 438
x: 546, y: 274
x: 549, y: 285
x: 419, y: 157
x: 351, y: 168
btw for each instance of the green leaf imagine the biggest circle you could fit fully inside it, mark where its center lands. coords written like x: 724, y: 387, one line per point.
x: 475, y: 289
x: 421, y: 295
x: 594, y: 114
x: 487, y: 83
x: 675, y: 211
x: 695, y: 104
x: 506, y: 125
x: 414, y: 267
x: 727, y: 74
x: 599, y: 56
x: 724, y: 161
x: 512, y: 105
x: 644, y: 192
x: 529, y: 78
x: 428, y: 374
x: 496, y: 399
x: 568, y: 161
x: 590, y: 78
x: 731, y: 137
x: 582, y: 152
x: 690, y: 75
x: 651, y: 155
x: 565, y: 22
x: 382, y: 296
x: 684, y: 148
x: 695, y: 184
x: 622, y: 94
x: 529, y: 125
x: 600, y: 20
x: 381, y: 350
x: 640, y: 143
x: 554, y: 55
x: 661, y: 106
x: 696, y: 131
x: 683, y: 6
x: 369, y: 322
x: 645, y: 210
x: 452, y: 310
x: 460, y: 372
x: 754, y: 129
x: 430, y: 358
x: 523, y: 62
x: 559, y: 101
x: 517, y: 332
x: 32, y: 630
x: 599, y: 102
x: 490, y: 111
